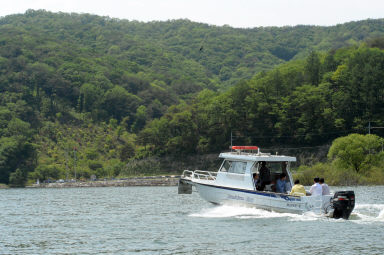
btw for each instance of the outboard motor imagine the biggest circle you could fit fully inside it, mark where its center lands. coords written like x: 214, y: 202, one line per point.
x: 343, y: 203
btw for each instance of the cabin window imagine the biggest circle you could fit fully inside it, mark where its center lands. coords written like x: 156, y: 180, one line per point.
x: 226, y: 166
x: 277, y: 167
x: 255, y: 168
x: 235, y: 167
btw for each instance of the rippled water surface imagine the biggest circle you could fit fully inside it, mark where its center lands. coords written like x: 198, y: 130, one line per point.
x: 155, y: 220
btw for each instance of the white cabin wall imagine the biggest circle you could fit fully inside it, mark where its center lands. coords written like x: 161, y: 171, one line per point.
x: 241, y: 181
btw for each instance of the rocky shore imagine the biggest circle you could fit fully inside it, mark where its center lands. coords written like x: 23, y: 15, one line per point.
x: 126, y: 182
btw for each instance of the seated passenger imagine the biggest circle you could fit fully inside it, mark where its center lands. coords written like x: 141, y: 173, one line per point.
x: 280, y: 184
x: 256, y: 181
x: 270, y: 187
x: 297, y: 189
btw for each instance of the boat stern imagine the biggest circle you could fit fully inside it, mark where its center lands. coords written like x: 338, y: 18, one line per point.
x: 343, y: 203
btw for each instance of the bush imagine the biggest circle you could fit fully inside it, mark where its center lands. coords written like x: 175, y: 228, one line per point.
x: 17, y: 178
x: 335, y: 175
x: 114, y: 168
x: 306, y: 173
x: 94, y: 165
x: 375, y: 176
x: 356, y: 151
x: 141, y: 167
x: 92, y: 154
x: 45, y: 172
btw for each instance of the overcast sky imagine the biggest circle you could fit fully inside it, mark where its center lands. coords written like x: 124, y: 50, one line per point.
x: 236, y: 13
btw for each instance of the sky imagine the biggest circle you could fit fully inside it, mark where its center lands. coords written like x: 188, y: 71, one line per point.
x: 235, y: 13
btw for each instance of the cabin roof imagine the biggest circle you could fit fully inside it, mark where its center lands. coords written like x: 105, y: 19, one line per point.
x: 256, y: 157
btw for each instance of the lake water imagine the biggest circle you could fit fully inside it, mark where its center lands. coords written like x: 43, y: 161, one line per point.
x: 155, y: 220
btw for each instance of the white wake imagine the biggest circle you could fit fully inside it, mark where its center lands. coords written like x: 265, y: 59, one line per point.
x: 368, y: 213
x: 363, y: 213
x: 226, y: 211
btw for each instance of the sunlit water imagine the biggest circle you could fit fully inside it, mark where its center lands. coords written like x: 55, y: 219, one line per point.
x: 155, y: 220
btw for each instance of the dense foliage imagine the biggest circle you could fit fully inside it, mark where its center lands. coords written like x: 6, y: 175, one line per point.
x: 306, y: 102
x: 353, y: 159
x: 356, y: 151
x: 87, y: 95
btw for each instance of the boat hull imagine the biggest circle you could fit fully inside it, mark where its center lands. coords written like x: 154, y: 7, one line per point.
x: 263, y: 200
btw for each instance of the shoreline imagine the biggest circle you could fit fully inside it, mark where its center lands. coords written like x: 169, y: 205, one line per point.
x: 125, y: 182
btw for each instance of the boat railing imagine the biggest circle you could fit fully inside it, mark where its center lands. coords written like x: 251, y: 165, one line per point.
x: 200, y: 174
x: 188, y: 174
x: 206, y: 175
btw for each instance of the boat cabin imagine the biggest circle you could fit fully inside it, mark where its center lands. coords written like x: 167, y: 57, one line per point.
x: 240, y: 165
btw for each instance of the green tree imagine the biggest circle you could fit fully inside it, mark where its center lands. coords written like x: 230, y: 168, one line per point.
x: 90, y: 96
x: 15, y: 153
x: 127, y: 151
x: 313, y: 68
x: 306, y: 114
x: 358, y: 88
x: 45, y: 172
x: 18, y: 178
x: 120, y: 103
x: 356, y: 151
x: 140, y: 118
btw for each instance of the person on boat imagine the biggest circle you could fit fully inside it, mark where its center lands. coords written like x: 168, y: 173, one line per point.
x: 280, y: 183
x: 256, y: 180
x: 297, y: 189
x: 316, y: 189
x: 288, y: 185
x: 265, y: 175
x: 324, y: 187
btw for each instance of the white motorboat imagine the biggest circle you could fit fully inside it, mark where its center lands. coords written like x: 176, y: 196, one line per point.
x: 233, y: 184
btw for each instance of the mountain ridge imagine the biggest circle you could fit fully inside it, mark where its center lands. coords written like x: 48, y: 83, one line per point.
x: 112, y: 91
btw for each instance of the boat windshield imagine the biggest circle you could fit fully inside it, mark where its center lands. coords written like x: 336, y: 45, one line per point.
x: 236, y: 167
x: 275, y: 168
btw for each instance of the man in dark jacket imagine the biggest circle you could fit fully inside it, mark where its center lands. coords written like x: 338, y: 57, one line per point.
x: 265, y: 175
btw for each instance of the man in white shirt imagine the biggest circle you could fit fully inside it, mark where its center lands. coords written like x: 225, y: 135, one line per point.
x: 316, y: 189
x: 324, y: 186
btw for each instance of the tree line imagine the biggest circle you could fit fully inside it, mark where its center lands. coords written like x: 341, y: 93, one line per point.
x: 304, y: 102
x: 94, y: 95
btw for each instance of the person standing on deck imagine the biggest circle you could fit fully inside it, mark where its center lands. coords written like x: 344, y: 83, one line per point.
x: 316, y: 189
x: 324, y: 186
x: 265, y: 175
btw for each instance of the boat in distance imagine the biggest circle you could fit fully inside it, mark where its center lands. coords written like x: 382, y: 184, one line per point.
x: 234, y: 184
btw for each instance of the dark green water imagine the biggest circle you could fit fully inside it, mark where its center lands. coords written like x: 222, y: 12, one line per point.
x: 155, y: 220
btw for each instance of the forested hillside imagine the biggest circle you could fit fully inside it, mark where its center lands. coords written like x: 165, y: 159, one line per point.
x: 90, y: 95
x: 303, y: 102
